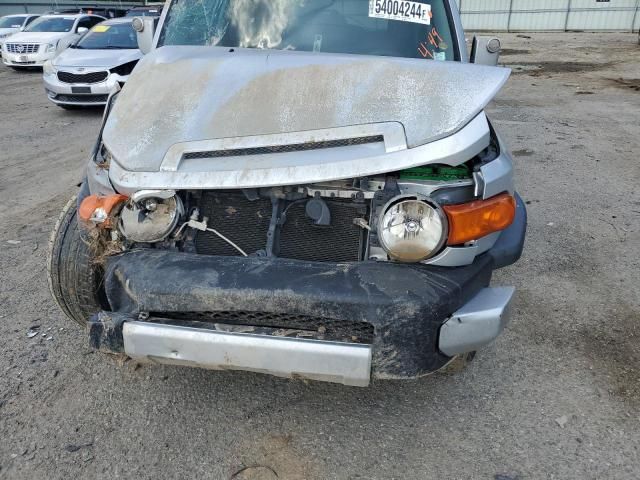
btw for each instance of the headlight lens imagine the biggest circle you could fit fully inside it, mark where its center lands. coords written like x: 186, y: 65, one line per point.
x: 48, y: 68
x: 151, y: 220
x: 51, y: 47
x: 412, y: 229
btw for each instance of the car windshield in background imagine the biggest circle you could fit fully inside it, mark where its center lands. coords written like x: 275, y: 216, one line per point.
x: 412, y: 29
x: 103, y: 37
x: 51, y: 24
x: 11, y: 22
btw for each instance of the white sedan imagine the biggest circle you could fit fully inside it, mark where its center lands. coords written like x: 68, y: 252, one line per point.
x: 44, y: 38
x: 95, y: 66
x: 11, y: 24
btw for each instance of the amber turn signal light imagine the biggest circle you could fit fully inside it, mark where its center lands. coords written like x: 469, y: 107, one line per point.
x: 474, y: 220
x: 96, y: 209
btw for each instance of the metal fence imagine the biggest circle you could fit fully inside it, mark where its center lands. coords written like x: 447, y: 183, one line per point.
x: 549, y: 15
x: 28, y: 6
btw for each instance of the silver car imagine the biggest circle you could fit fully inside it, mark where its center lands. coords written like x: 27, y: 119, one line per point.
x: 305, y: 189
x: 95, y: 66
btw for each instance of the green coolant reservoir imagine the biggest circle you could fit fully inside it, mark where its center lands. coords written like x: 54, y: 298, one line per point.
x: 438, y: 173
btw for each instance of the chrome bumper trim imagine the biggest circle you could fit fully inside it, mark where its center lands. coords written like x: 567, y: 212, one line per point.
x: 346, y: 363
x: 477, y: 323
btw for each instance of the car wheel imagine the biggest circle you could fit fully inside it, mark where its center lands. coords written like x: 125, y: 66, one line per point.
x: 75, y: 278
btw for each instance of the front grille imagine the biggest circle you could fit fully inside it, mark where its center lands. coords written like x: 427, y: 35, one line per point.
x: 298, y: 147
x: 93, y: 77
x: 21, y: 48
x: 81, y: 98
x: 353, y: 331
x: 246, y: 223
x: 340, y: 242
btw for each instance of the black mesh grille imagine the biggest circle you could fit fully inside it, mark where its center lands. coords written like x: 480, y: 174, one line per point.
x: 335, y: 329
x: 300, y: 239
x: 244, y: 222
x: 298, y: 147
x: 81, y: 98
x: 92, y: 77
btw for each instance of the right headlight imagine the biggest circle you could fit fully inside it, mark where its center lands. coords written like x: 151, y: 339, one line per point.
x: 412, y: 229
x: 51, y: 47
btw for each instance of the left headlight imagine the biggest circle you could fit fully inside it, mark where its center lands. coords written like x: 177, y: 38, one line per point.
x: 51, y: 47
x: 412, y: 229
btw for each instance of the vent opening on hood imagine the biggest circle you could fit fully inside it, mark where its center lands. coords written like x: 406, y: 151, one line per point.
x: 298, y: 147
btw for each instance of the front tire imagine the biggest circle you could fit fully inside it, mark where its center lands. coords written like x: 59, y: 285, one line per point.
x: 75, y: 279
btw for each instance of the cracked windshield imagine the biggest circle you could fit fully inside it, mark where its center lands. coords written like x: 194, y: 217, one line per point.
x: 408, y: 29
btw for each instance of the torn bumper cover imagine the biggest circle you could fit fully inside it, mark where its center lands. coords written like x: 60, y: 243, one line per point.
x: 343, y: 323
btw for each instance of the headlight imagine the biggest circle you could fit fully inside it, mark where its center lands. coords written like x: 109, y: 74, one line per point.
x: 149, y: 218
x: 412, y: 229
x: 51, y: 47
x: 48, y: 68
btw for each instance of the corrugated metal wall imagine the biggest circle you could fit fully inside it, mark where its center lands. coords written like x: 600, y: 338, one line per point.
x: 8, y: 7
x: 522, y: 15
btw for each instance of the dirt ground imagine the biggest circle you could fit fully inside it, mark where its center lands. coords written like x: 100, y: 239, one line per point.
x: 556, y: 397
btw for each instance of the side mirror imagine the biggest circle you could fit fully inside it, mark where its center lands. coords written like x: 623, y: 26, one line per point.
x: 145, y: 28
x: 82, y: 30
x: 485, y: 51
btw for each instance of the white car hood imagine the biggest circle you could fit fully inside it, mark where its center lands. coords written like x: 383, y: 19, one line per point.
x: 39, y: 37
x: 179, y: 95
x: 77, y: 57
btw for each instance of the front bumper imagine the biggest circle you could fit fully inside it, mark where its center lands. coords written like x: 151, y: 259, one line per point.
x: 182, y: 308
x: 26, y: 59
x: 62, y: 93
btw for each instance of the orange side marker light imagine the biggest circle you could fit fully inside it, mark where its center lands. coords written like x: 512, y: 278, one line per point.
x: 96, y: 209
x: 474, y: 220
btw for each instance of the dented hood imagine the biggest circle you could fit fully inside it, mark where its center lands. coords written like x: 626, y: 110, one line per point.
x: 186, y: 94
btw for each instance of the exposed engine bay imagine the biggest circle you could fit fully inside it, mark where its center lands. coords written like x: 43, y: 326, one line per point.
x: 341, y: 221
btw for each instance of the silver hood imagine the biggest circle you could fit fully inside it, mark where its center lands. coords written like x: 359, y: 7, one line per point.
x: 77, y: 57
x: 181, y: 95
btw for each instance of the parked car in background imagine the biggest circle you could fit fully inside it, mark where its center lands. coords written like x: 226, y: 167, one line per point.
x: 44, y: 38
x: 94, y: 66
x: 13, y: 24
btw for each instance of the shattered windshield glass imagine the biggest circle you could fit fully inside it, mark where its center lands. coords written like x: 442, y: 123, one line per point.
x: 412, y: 29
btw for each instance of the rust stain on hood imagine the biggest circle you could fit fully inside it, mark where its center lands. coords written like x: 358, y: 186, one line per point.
x: 183, y: 94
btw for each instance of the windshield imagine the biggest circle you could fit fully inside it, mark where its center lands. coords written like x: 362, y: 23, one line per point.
x: 11, y: 22
x: 412, y: 29
x: 51, y: 24
x: 102, y: 37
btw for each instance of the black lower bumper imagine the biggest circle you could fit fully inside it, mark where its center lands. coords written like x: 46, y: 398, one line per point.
x: 406, y: 305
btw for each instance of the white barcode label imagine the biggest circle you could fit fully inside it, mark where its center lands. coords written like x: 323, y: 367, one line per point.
x: 400, y: 10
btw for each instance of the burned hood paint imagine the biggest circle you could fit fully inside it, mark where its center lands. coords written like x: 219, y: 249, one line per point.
x: 185, y: 94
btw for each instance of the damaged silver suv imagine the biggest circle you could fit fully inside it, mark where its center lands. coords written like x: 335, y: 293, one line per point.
x: 309, y: 189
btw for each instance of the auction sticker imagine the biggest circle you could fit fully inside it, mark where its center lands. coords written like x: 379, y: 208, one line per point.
x: 403, y: 11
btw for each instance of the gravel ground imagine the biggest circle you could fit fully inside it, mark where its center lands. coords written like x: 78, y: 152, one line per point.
x: 556, y: 397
